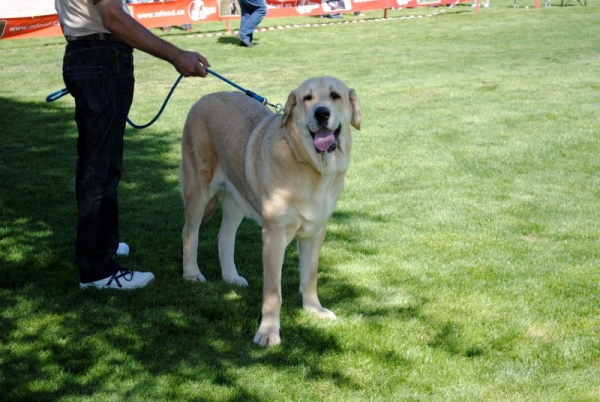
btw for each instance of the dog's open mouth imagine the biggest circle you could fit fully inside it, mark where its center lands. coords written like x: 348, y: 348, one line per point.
x: 325, y: 140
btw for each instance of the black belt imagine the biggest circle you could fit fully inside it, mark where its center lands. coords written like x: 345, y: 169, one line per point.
x: 96, y: 36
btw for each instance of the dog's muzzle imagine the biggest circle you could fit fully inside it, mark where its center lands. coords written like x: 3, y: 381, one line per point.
x: 324, y: 139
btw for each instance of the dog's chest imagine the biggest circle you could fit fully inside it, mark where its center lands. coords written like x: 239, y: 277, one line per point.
x: 315, y: 212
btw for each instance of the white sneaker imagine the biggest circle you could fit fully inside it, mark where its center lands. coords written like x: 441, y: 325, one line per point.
x: 123, y: 279
x: 122, y: 250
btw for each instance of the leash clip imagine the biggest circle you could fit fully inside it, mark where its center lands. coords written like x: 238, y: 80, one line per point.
x: 278, y: 107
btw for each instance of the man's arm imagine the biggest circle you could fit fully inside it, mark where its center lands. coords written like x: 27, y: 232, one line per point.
x: 124, y: 26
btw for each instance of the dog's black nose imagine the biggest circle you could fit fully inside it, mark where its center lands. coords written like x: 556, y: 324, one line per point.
x: 322, y: 114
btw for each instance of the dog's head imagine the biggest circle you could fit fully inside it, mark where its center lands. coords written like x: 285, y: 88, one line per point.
x: 321, y: 110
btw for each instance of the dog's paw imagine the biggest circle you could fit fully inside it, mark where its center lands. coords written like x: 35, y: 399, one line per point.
x: 321, y: 312
x: 194, y: 278
x: 236, y: 280
x: 269, y: 337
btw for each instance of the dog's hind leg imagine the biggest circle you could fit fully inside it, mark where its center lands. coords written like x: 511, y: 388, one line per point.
x: 232, y: 217
x: 195, y: 199
x: 308, y: 253
x: 194, y: 210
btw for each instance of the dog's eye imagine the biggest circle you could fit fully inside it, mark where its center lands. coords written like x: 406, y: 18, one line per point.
x: 307, y: 98
x: 335, y: 95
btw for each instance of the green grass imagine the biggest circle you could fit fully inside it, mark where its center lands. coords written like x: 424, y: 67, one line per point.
x: 462, y: 262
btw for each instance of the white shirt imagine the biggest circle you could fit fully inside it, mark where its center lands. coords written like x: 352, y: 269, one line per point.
x: 80, y: 17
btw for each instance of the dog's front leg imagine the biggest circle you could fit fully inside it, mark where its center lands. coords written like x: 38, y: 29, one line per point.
x: 309, y: 250
x: 274, y: 244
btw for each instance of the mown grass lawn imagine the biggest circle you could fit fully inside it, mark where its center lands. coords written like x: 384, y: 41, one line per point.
x: 463, y: 259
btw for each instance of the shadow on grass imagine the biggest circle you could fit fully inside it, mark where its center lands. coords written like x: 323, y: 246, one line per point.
x: 58, y: 340
x: 174, y: 339
x: 229, y: 40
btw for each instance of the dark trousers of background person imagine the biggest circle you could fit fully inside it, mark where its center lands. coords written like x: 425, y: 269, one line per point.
x: 99, y: 75
x: 253, y: 12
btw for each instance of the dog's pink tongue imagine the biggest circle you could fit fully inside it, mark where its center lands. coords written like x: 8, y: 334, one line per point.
x: 324, y: 139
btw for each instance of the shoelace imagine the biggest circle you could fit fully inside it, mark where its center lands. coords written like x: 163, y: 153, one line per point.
x: 123, y: 273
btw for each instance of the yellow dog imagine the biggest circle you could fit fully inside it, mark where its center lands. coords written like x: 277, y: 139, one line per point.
x: 284, y: 171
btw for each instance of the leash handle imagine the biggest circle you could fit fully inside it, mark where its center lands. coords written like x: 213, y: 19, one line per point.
x: 278, y: 108
x: 162, y: 108
x: 56, y: 95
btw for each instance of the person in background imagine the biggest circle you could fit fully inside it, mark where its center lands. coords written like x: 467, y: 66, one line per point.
x: 185, y: 27
x: 98, y: 72
x: 253, y: 12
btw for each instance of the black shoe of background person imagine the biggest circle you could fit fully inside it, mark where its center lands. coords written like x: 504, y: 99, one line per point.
x: 244, y: 42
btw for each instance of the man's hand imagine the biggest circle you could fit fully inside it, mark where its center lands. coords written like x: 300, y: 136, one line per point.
x: 191, y: 64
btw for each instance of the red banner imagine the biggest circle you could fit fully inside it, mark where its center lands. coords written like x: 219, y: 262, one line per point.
x: 178, y: 12
x: 27, y: 27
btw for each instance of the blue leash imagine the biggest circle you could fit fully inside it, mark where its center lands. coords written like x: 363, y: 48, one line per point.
x: 278, y: 108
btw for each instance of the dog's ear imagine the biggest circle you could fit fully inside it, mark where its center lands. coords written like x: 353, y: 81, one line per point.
x: 356, y: 113
x: 289, y: 106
